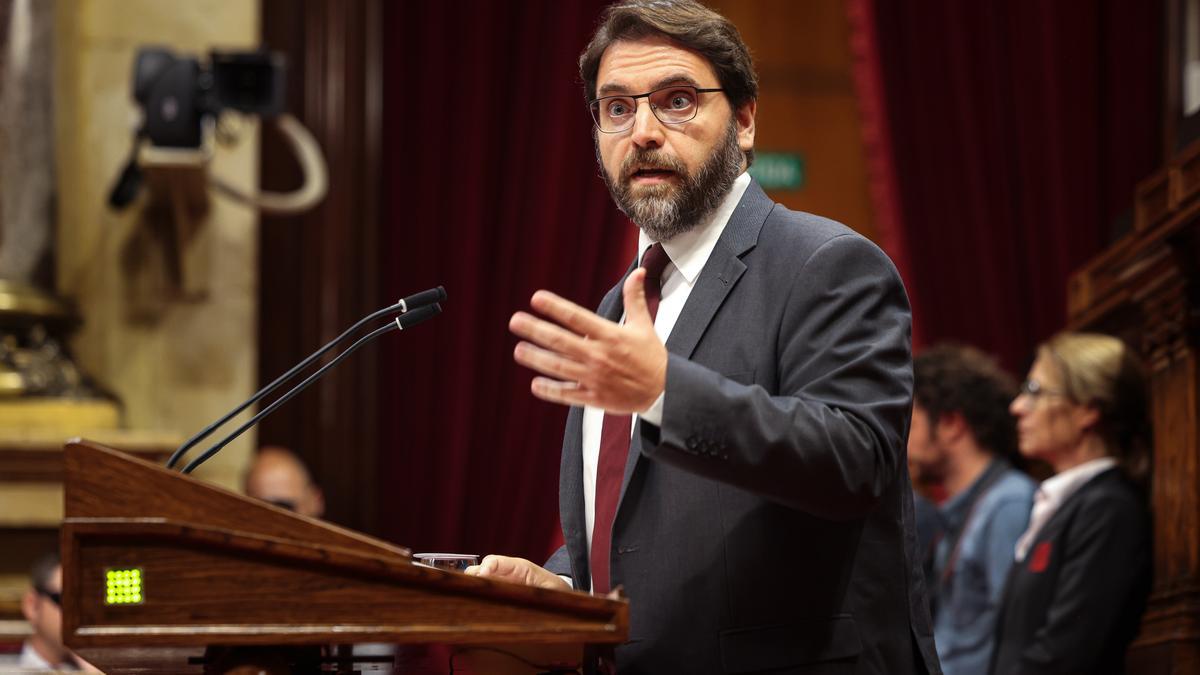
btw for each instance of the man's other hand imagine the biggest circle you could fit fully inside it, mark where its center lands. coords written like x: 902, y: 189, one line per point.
x: 84, y: 665
x: 589, y: 360
x: 517, y: 571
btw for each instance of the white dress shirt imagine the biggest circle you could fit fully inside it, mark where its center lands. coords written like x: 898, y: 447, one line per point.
x: 689, y: 253
x: 1051, y: 495
x: 31, y: 661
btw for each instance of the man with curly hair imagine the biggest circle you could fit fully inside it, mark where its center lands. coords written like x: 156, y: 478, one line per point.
x: 962, y: 436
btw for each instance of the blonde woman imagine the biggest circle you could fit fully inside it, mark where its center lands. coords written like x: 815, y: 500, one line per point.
x: 1075, y: 595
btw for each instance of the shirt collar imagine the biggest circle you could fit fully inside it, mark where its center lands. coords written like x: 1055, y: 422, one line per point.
x: 1060, y: 486
x: 33, y: 660
x: 690, y: 250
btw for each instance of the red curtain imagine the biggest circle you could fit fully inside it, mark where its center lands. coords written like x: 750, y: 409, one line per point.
x: 491, y: 190
x: 1015, y: 133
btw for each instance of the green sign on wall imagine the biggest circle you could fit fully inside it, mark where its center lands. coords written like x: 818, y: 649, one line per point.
x: 778, y: 170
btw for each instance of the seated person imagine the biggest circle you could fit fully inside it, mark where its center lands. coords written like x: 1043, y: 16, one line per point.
x: 962, y: 437
x: 278, y: 476
x: 42, y: 607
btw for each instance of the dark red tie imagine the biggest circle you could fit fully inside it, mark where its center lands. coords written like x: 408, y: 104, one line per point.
x: 614, y: 444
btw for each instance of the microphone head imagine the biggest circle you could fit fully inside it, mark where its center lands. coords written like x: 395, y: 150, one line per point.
x: 424, y: 298
x: 416, y: 316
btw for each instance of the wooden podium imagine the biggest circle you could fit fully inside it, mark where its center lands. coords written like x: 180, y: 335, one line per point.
x: 158, y: 566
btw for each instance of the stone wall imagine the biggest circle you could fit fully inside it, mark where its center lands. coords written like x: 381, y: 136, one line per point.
x: 176, y: 359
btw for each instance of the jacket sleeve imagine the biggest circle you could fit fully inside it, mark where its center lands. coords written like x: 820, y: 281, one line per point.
x: 831, y: 440
x: 559, y: 562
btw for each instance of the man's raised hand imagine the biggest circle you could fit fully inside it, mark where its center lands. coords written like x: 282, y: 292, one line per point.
x: 586, y: 359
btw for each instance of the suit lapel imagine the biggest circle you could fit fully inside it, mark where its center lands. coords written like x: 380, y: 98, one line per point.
x: 720, y: 274
x: 1037, y: 557
x: 613, y: 304
x: 570, y: 496
x: 1066, y: 511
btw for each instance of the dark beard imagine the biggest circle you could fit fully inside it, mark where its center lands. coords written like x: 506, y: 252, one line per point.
x: 664, y: 210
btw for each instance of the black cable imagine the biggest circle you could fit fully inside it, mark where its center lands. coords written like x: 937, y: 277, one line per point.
x: 207, y: 431
x: 286, y: 397
x: 129, y: 181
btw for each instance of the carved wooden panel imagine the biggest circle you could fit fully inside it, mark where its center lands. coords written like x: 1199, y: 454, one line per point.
x: 1144, y: 289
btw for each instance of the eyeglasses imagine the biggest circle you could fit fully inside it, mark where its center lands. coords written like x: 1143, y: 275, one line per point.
x: 675, y: 104
x: 1033, y: 389
x: 52, y: 596
x: 283, y: 503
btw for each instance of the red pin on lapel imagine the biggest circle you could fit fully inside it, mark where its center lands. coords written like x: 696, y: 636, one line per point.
x: 1040, y: 558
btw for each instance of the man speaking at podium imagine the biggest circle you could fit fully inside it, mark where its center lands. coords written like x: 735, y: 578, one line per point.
x: 734, y: 454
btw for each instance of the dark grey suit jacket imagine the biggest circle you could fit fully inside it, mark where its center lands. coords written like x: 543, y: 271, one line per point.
x: 768, y: 524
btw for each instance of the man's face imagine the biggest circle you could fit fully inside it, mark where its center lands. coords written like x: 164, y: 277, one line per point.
x: 924, y: 452
x: 283, y: 482
x: 45, y: 617
x: 666, y: 177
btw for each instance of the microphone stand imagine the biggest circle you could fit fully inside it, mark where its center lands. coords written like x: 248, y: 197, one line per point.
x: 404, y: 321
x: 408, y: 307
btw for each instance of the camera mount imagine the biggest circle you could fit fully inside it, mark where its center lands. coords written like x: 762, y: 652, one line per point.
x: 180, y: 98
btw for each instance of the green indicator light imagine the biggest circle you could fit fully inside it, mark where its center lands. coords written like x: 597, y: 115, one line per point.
x: 123, y: 586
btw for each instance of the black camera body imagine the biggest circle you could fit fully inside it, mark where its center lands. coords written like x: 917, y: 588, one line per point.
x: 177, y: 93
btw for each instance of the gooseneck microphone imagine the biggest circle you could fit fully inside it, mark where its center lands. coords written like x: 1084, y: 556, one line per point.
x: 414, y: 309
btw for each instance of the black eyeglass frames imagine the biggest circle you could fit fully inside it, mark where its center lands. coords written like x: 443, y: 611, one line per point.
x: 1034, y: 389
x: 52, y: 596
x: 675, y: 104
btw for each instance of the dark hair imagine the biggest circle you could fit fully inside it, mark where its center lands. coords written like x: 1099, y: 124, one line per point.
x: 42, y: 570
x: 1103, y: 372
x: 952, y: 378
x: 686, y: 23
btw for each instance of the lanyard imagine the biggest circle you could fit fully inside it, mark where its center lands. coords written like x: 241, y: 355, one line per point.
x: 992, y: 474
